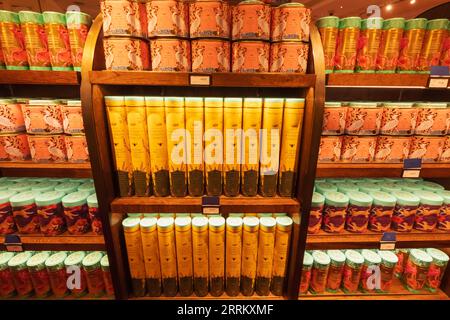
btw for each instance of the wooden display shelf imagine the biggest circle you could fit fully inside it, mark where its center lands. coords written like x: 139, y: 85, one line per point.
x: 371, y: 240
x: 398, y: 292
x: 194, y: 205
x: 183, y: 79
x: 209, y: 297
x: 88, y: 242
x: 369, y: 80
x: 51, y: 170
x: 366, y: 170
x: 14, y: 77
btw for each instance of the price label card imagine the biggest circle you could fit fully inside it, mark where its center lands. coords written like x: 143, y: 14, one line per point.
x: 210, y: 205
x: 438, y: 83
x: 388, y: 241
x: 13, y: 243
x: 411, y: 168
x: 203, y: 80
x: 411, y: 174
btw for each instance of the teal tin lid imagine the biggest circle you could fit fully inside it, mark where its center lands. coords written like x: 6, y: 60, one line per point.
x: 353, y: 257
x: 335, y: 180
x: 77, y: 18
x: 437, y: 24
x: 347, y: 187
x: 328, y: 22
x: 88, y: 187
x: 6, y: 195
x: 104, y: 262
x: 75, y: 199
x: 322, y: 187
x: 336, y: 199
x: 9, y: 16
x: 20, y: 260
x: 350, y: 22
x: 92, y: 260
x: 429, y: 198
x: 56, y: 260
x: 445, y: 194
x: 420, y: 257
x: 67, y: 187
x: 388, y: 258
x: 419, y: 23
x: 389, y: 187
x: 307, y: 259
x: 75, y: 258
x: 439, y: 257
x: 4, y: 259
x: 318, y: 200
x: 321, y: 258
x: 60, y: 180
x: 23, y: 199
x: 371, y: 257
x: 22, y: 186
x: 54, y: 17
x: 359, y: 199
x: 384, y: 199
x: 406, y: 198
x: 394, y: 23
x: 337, y: 257
x: 333, y: 105
x: 92, y: 201
x: 368, y: 187
x: 410, y: 186
x: 372, y: 180
x: 31, y: 17
x: 431, y: 186
x: 44, y: 186
x: 49, y: 198
x: 37, y: 261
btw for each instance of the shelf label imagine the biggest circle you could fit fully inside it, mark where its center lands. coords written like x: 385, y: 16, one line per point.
x: 210, y: 205
x: 438, y: 83
x: 13, y: 243
x: 388, y: 241
x: 411, y: 168
x: 204, y: 80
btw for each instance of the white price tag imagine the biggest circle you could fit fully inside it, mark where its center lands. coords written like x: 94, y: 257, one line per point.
x: 200, y: 80
x: 411, y: 173
x: 438, y: 83
x: 387, y: 245
x: 211, y: 210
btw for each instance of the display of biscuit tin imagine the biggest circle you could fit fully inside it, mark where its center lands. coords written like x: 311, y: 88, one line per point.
x: 43, y: 117
x: 427, y: 215
x: 437, y: 31
x: 330, y: 148
x: 290, y: 21
x: 170, y: 54
x: 329, y: 29
x: 250, y: 56
x: 32, y: 24
x: 251, y: 21
x: 77, y: 149
x: 11, y: 117
x: 399, y: 118
x: 368, y: 45
x: 210, y: 55
x: 445, y: 156
x: 210, y: 19
x: 289, y: 57
x: 445, y: 57
x: 14, y: 147
x: 358, y: 211
x: 12, y: 41
x: 123, y: 17
x: 58, y: 40
x: 167, y: 18
x: 429, y: 149
x: 123, y: 54
x: 358, y: 149
x: 72, y: 117
x: 47, y: 148
x: 78, y: 24
x: 363, y: 118
x: 444, y: 215
x: 391, y: 39
x: 411, y: 45
x: 346, y: 50
x: 405, y: 211
x: 334, y: 118
x: 432, y: 119
x: 392, y: 149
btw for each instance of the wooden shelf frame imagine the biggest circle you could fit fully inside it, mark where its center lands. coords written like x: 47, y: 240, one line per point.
x: 52, y: 170
x: 55, y: 78
x: 376, y: 80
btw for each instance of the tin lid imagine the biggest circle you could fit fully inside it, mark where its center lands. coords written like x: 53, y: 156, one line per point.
x: 114, y: 101
x: 323, y: 187
x: 216, y: 223
x: 409, y: 186
x: 402, y: 105
x: 291, y: 4
x: 38, y: 259
x: 44, y: 102
x: 350, y: 22
x: 5, y: 195
x: 7, y: 101
x: 246, y: 2
x: 233, y: 102
x: 389, y: 187
x: 6, y: 185
x: 354, y: 257
x: 419, y: 23
x: 336, y: 199
x: 347, y: 187
x: 20, y: 260
x: 394, y: 23
x: 214, y: 102
x: 388, y: 257
x: 87, y: 187
x: 336, y: 256
x: 234, y: 223
x: 445, y: 194
x: 165, y: 223
x: 431, y: 186
x: 49, y: 198
x: 31, y: 17
x: 75, y: 258
x: 73, y: 103
x: 371, y: 257
x: 56, y: 259
x: 193, y: 102
x: 328, y: 22
x: 22, y: 199
x: 372, y: 23
x: 22, y: 186
x: 267, y: 223
x: 333, y: 104
x: 429, y: 198
x: 44, y: 186
x: 104, y: 262
x: 308, y: 259
x: 182, y: 223
x: 92, y: 259
x: 75, y: 199
x: 273, y: 103
x: 431, y: 105
x: 406, y: 198
x: 368, y: 187
x: 321, y: 258
x: 253, y: 102
x: 284, y: 223
x: 54, y: 17
x: 148, y: 224
x: 384, y: 199
x: 317, y: 200
x: 439, y: 257
x: 420, y: 257
x: 251, y: 223
x: 77, y: 17
x: 154, y: 101
x: 358, y: 198
x: 131, y: 224
x: 132, y: 101
x: 437, y: 24
x: 364, y: 104
x: 200, y: 223
x: 67, y: 187
x: 4, y: 259
x: 92, y: 201
x: 9, y: 16
x: 292, y: 103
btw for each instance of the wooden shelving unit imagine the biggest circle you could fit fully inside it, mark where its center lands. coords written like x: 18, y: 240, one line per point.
x: 30, y: 77
x: 209, y: 297
x: 51, y: 170
x: 395, y: 80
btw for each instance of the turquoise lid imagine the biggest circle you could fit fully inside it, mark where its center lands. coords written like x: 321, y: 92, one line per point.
x: 56, y: 259
x: 20, y: 259
x: 38, y: 259
x: 410, y: 186
x: 384, y: 199
x: 92, y: 201
x: 6, y: 195
x: 89, y: 187
x: 388, y: 257
x: 429, y: 198
x: 335, y: 180
x: 23, y: 198
x: 81, y: 181
x: 347, y: 187
x: 317, y: 200
x: 431, y: 186
x: 336, y: 199
x: 444, y: 194
x: 22, y: 186
x: 406, y: 198
x: 6, y: 185
x: 92, y: 259
x: 368, y: 187
x: 60, y: 180
x: 321, y: 258
x: 44, y: 186
x: 30, y: 16
x: 420, y: 256
x: 359, y: 199
x: 336, y: 256
x: 389, y: 187
x: 307, y: 259
x: 67, y: 187
x: 49, y: 198
x: 75, y: 199
x: 354, y: 257
x: 440, y: 257
x: 74, y: 258
x: 371, y: 256
x: 323, y: 187
x: 38, y: 180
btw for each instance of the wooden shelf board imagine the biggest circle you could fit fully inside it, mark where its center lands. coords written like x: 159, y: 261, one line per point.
x: 377, y: 80
x: 371, y: 240
x: 398, y: 292
x: 194, y: 205
x: 151, y: 78
x: 14, y: 77
x: 209, y: 297
x: 33, y: 169
x: 88, y: 242
x: 355, y: 170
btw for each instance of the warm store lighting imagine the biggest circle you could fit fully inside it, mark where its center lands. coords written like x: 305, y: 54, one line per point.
x: 389, y: 7
x: 412, y: 1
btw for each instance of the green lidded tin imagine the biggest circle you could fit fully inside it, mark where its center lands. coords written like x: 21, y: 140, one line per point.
x: 347, y: 187
x: 437, y: 268
x: 410, y: 186
x: 368, y: 187
x: 359, y: 199
x: 22, y: 186
x: 5, y: 195
x: 23, y: 199
x: 4, y: 259
x: 307, y: 260
x: 37, y: 261
x: 44, y: 187
x: 389, y: 187
x: 78, y: 18
x: 19, y: 261
x: 354, y: 258
x: 406, y: 198
x: 437, y: 24
x: 56, y: 261
x: 67, y: 187
x: 323, y: 187
x: 318, y: 200
x: 54, y: 17
x: 431, y: 186
x: 92, y: 201
x: 92, y: 260
x: 9, y: 16
x: 429, y: 198
x: 75, y: 199
x: 328, y: 22
x: 419, y: 23
x: 394, y: 23
x: 88, y: 187
x: 75, y: 259
x: 30, y: 17
x: 445, y: 194
x: 383, y: 199
x: 336, y: 199
x: 388, y: 258
x: 350, y: 22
